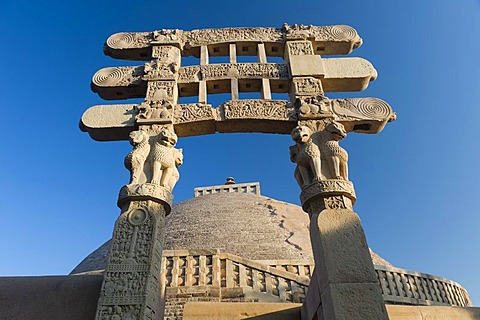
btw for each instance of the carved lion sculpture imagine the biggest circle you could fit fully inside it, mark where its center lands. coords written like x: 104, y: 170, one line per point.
x: 178, y: 155
x: 313, y: 148
x: 336, y: 156
x: 163, y: 158
x: 135, y: 160
x: 306, y: 155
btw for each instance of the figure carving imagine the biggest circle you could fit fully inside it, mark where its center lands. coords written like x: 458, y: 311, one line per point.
x: 313, y: 149
x: 154, y: 110
x: 164, y: 159
x: 135, y: 160
x: 178, y: 156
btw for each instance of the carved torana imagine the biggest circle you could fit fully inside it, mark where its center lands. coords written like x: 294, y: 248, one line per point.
x: 131, y: 287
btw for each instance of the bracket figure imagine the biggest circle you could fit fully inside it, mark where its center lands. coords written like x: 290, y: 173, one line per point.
x: 312, y: 150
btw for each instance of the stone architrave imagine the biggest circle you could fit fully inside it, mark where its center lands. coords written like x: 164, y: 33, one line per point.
x: 366, y: 115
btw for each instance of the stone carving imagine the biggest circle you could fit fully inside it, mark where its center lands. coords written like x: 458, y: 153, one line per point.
x: 307, y: 86
x: 314, y: 107
x: 189, y: 74
x: 157, y: 70
x: 175, y: 175
x: 129, y: 40
x: 161, y: 52
x: 234, y: 70
x: 146, y: 191
x: 362, y: 108
x: 335, y: 202
x: 306, y: 154
x: 296, y: 48
x: 161, y: 90
x: 327, y: 188
x: 164, y: 159
x: 166, y: 35
x: 117, y: 76
x: 313, y: 148
x: 131, y: 285
x: 135, y: 160
x: 196, y: 38
x: 193, y: 112
x: 325, y: 33
x: 154, y: 111
x: 258, y: 109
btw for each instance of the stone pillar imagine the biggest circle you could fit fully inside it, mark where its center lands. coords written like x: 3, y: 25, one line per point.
x: 344, y: 273
x: 131, y: 286
x: 344, y: 285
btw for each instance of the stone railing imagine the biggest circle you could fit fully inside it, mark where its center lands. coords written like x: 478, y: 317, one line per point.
x: 187, y: 268
x: 400, y: 286
x: 288, y: 280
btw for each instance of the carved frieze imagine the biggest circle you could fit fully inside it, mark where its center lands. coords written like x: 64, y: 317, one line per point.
x: 144, y: 191
x: 296, y: 48
x: 327, y: 188
x: 157, y: 70
x: 154, y: 112
x: 167, y: 36
x: 196, y: 38
x: 161, y: 90
x: 118, y: 76
x: 313, y: 107
x: 235, y: 70
x: 193, y: 112
x: 328, y: 202
x: 307, y: 86
x: 257, y: 109
x: 162, y: 52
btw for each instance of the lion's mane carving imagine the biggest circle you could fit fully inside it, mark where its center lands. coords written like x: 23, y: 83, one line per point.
x: 314, y: 149
x: 164, y: 159
x: 135, y: 160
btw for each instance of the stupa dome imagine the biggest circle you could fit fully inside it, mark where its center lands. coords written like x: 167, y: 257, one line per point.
x: 236, y: 219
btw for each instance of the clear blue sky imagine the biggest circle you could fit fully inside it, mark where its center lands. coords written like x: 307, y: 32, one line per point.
x: 416, y: 182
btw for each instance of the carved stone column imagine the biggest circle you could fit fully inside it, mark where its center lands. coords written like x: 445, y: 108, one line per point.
x: 131, y: 285
x: 344, y: 285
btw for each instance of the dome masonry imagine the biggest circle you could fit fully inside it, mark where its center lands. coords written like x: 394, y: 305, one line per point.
x: 236, y: 219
